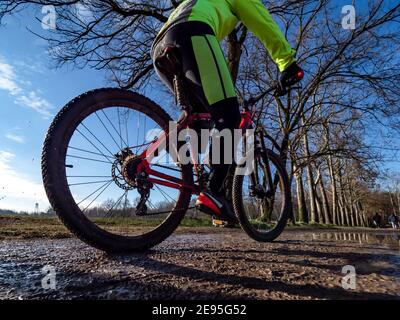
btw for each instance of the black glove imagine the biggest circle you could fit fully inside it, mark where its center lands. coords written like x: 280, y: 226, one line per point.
x: 291, y: 76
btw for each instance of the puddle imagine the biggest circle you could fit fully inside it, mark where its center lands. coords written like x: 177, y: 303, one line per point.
x: 383, y: 248
x: 384, y: 239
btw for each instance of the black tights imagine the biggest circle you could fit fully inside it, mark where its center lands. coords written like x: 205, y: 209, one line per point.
x: 209, y: 67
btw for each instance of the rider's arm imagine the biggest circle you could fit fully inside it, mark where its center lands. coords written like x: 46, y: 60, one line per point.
x: 258, y: 20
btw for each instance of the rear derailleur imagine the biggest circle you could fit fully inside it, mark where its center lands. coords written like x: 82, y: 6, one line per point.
x: 143, y: 186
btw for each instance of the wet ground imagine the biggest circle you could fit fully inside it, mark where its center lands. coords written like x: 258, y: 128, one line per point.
x: 210, y: 264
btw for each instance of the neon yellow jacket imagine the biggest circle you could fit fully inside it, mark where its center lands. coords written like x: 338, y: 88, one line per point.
x: 224, y: 15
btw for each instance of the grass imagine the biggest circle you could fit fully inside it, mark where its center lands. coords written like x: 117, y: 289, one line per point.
x: 30, y: 227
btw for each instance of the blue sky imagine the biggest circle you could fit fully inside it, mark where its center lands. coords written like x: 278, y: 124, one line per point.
x: 31, y: 92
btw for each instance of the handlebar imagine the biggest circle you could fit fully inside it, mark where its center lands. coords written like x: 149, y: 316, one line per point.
x: 276, y: 90
x: 279, y: 89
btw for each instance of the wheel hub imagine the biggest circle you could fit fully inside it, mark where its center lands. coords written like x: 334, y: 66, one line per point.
x: 259, y: 192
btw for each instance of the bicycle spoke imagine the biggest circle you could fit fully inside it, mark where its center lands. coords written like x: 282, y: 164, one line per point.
x: 98, y: 117
x: 264, y: 208
x: 98, y: 186
x: 89, y: 159
x: 119, y: 126
x: 94, y: 136
x: 97, y: 197
x: 87, y: 139
x: 138, y: 122
x: 126, y: 128
x: 88, y: 176
x: 113, y: 126
x: 164, y: 193
x: 152, y: 205
x: 117, y: 202
x: 91, y: 152
x: 85, y: 183
x: 93, y: 193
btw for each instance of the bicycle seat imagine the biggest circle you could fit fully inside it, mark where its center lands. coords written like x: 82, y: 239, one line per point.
x: 169, y: 61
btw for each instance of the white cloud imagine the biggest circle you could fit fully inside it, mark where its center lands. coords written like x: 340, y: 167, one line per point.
x: 14, y: 86
x: 7, y: 79
x: 16, y: 138
x: 18, y: 192
x: 33, y: 101
x: 84, y: 12
x: 31, y: 66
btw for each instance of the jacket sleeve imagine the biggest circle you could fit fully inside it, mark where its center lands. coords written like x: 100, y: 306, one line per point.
x: 258, y: 20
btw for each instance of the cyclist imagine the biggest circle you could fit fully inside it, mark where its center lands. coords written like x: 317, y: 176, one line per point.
x: 195, y: 28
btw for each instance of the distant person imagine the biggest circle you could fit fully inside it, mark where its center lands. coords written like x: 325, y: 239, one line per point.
x: 376, y: 220
x: 393, y: 221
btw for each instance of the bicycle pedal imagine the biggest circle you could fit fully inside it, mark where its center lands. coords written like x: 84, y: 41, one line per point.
x: 219, y: 223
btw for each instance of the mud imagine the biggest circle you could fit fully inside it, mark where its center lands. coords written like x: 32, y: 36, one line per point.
x: 212, y: 264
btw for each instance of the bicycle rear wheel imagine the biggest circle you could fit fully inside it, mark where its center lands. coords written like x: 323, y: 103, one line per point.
x: 261, y: 199
x: 86, y: 147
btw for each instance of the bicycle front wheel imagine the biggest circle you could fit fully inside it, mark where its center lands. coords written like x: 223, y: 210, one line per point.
x: 88, y: 154
x: 262, y: 198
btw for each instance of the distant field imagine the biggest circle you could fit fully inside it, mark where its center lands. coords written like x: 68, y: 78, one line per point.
x: 27, y: 227
x: 30, y: 227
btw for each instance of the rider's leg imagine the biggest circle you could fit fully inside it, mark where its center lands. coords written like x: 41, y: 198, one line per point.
x: 221, y: 97
x: 226, y: 115
x: 223, y: 105
x: 208, y: 76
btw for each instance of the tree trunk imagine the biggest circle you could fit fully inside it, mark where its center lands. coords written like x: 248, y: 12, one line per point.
x: 334, y: 191
x: 310, y: 181
x: 292, y: 217
x: 398, y: 200
x: 324, y: 198
x: 319, y: 208
x: 311, y: 194
x: 392, y: 202
x: 342, y: 202
x: 356, y: 216
x: 351, y: 214
x: 301, y: 200
x: 349, y: 200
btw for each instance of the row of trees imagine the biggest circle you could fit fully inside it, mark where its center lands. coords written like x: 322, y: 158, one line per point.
x: 333, y: 133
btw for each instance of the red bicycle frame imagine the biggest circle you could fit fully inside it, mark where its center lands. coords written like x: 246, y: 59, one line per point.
x: 187, y: 121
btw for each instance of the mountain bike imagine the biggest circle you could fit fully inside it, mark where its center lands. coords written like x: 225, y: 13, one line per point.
x: 102, y: 185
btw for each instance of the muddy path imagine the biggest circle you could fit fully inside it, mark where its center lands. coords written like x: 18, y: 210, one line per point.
x: 211, y: 264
